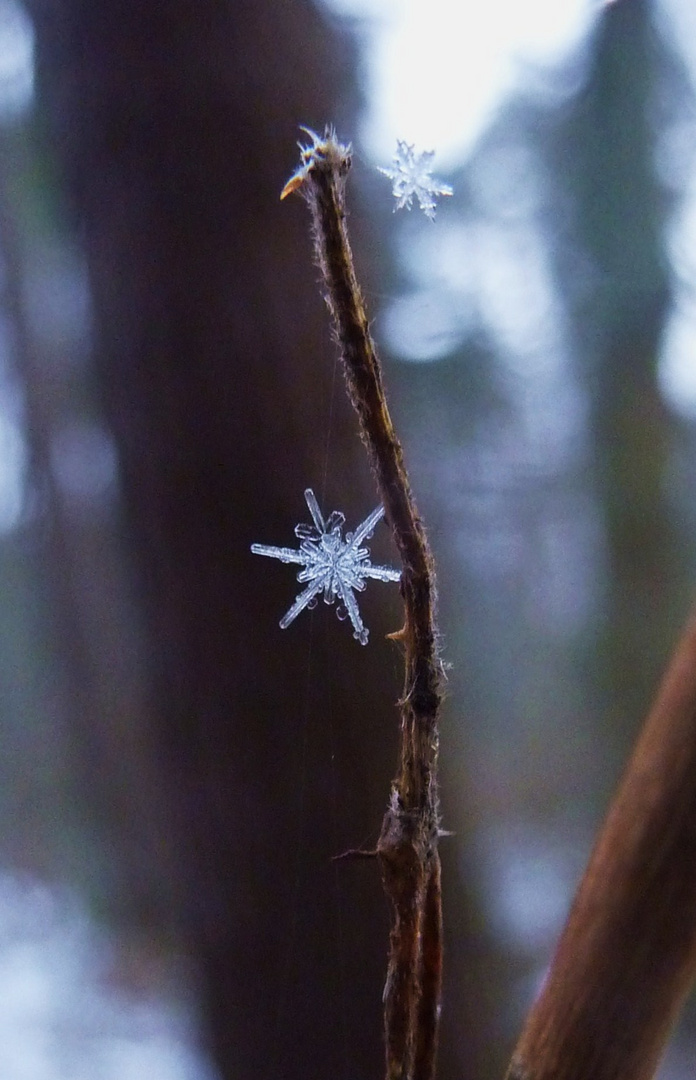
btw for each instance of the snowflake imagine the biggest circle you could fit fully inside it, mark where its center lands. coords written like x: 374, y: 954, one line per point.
x: 410, y: 175
x: 331, y: 564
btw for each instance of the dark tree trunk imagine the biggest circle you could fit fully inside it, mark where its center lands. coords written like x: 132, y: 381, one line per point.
x: 175, y: 123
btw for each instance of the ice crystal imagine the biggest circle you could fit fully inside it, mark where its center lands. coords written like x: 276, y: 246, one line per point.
x: 331, y: 565
x: 410, y: 175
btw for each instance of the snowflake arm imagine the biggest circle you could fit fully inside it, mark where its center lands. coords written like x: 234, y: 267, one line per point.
x: 379, y: 573
x: 303, y: 600
x: 330, y: 564
x: 365, y: 529
x: 360, y: 631
x: 410, y: 175
x: 286, y: 555
x: 314, y: 510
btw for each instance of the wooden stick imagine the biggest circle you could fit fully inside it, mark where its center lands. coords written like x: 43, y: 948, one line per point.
x: 627, y: 956
x: 407, y: 847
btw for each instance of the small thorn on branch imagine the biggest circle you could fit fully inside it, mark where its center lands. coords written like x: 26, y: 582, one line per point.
x: 355, y: 853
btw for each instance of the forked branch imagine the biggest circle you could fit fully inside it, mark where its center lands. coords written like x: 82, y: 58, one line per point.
x: 407, y: 847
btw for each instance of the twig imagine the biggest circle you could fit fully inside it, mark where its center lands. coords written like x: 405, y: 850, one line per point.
x: 407, y: 847
x: 627, y: 956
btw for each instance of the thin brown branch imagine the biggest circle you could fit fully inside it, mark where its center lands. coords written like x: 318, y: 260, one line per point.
x: 431, y: 975
x: 407, y: 847
x: 627, y: 956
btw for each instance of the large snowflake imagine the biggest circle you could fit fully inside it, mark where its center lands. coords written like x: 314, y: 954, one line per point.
x: 331, y: 565
x: 410, y: 175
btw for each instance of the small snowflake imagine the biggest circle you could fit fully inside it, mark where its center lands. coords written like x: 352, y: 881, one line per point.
x: 331, y: 564
x: 410, y: 175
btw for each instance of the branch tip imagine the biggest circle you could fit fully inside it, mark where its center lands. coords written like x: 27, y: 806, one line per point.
x: 324, y: 150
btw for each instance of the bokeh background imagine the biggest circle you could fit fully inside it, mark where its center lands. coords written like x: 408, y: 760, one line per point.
x: 176, y: 772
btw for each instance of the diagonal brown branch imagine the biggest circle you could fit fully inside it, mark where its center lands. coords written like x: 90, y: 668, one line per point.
x: 627, y: 956
x: 407, y: 847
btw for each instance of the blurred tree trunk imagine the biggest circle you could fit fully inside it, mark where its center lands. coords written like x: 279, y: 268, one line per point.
x: 605, y: 159
x: 175, y: 123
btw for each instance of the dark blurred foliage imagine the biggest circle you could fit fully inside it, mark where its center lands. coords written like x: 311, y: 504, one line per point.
x: 190, y: 766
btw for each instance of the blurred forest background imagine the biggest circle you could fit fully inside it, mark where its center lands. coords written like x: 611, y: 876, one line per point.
x: 176, y: 773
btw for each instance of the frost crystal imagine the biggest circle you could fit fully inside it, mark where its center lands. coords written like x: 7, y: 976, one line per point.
x: 331, y: 564
x: 410, y: 175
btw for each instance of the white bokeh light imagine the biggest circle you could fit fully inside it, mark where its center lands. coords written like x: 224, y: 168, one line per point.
x: 16, y: 60
x: 677, y: 368
x: 437, y: 71
x: 677, y: 372
x: 60, y: 1014
x: 13, y: 464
